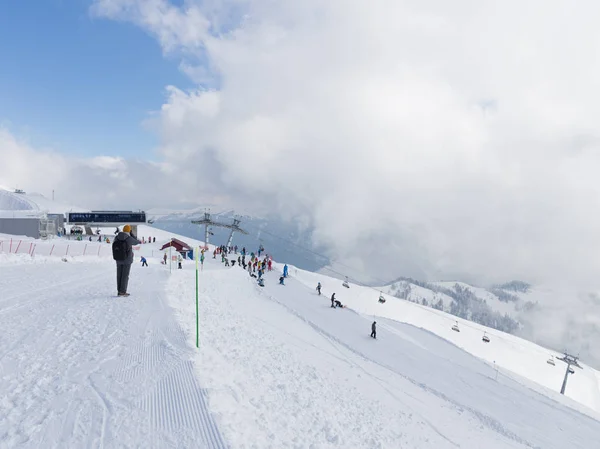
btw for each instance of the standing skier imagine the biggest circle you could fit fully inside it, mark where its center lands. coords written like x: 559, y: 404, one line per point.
x: 333, y: 300
x: 374, y: 329
x: 123, y: 256
x: 144, y: 262
x: 319, y: 288
x: 285, y: 271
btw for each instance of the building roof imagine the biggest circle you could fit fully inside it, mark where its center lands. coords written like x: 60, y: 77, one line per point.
x: 177, y: 244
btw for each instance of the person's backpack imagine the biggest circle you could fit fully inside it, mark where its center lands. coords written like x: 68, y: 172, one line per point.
x: 119, y: 249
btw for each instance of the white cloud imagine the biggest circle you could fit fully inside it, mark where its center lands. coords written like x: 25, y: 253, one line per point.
x: 436, y: 140
x: 463, y: 136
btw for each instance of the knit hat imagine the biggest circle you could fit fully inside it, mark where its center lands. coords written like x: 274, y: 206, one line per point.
x: 126, y: 228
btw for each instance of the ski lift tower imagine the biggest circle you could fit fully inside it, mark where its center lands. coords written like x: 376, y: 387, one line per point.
x: 207, y: 222
x: 569, y: 360
x: 235, y: 227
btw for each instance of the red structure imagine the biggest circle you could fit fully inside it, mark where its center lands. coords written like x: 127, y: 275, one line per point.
x: 178, y: 245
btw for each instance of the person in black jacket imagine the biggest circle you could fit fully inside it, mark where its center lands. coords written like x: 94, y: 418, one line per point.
x: 333, y: 300
x: 124, y: 265
x: 374, y: 329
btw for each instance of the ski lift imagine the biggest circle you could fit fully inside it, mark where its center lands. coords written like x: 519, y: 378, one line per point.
x: 345, y: 283
x: 455, y: 327
x: 485, y: 338
x: 550, y: 361
x: 571, y: 371
x: 381, y: 298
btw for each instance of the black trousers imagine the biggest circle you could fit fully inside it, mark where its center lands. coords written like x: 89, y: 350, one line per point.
x: 123, y: 277
x: 374, y: 334
x: 144, y: 264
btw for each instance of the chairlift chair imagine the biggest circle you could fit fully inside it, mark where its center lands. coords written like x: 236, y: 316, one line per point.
x: 485, y: 338
x: 455, y: 327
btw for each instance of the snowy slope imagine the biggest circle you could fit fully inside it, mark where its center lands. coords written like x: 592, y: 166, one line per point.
x: 81, y: 368
x: 509, y: 352
x: 11, y: 201
x: 276, y: 367
x: 283, y: 370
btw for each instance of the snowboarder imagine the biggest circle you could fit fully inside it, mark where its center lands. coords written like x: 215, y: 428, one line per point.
x: 319, y: 288
x: 285, y: 271
x: 332, y: 300
x: 123, y: 256
x: 338, y: 304
x: 144, y: 262
x: 261, y: 282
x: 281, y: 280
x: 374, y: 329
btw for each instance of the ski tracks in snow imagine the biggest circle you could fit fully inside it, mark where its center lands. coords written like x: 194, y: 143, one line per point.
x: 82, y: 368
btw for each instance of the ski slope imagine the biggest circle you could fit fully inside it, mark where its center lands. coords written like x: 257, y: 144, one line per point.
x: 276, y: 367
x: 285, y: 370
x: 81, y: 368
x: 511, y: 354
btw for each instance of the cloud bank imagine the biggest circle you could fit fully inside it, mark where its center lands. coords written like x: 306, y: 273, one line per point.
x: 436, y: 141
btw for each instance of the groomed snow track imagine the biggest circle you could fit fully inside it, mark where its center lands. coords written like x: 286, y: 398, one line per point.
x: 82, y: 368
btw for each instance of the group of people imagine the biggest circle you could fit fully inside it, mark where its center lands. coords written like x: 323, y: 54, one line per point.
x: 123, y: 256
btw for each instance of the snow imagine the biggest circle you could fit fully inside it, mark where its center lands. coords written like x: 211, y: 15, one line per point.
x: 508, y: 352
x: 11, y: 201
x: 82, y: 368
x: 276, y: 367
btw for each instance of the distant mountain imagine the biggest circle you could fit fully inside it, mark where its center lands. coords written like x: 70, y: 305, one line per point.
x: 559, y: 318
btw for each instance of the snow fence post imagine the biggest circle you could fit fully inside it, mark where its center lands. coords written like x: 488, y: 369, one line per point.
x: 197, y: 326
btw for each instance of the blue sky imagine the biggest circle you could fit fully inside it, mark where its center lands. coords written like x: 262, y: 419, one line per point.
x: 79, y: 84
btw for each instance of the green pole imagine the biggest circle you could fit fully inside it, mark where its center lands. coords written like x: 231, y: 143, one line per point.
x: 197, y: 325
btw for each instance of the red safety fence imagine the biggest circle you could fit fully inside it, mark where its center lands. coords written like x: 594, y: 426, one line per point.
x: 57, y: 248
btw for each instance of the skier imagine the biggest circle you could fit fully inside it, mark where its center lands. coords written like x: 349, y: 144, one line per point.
x: 332, y: 300
x: 319, y: 288
x: 281, y: 280
x: 374, y: 329
x: 165, y: 259
x: 123, y: 256
x: 260, y: 273
x: 270, y: 264
x: 179, y: 259
x: 144, y: 262
x: 285, y: 271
